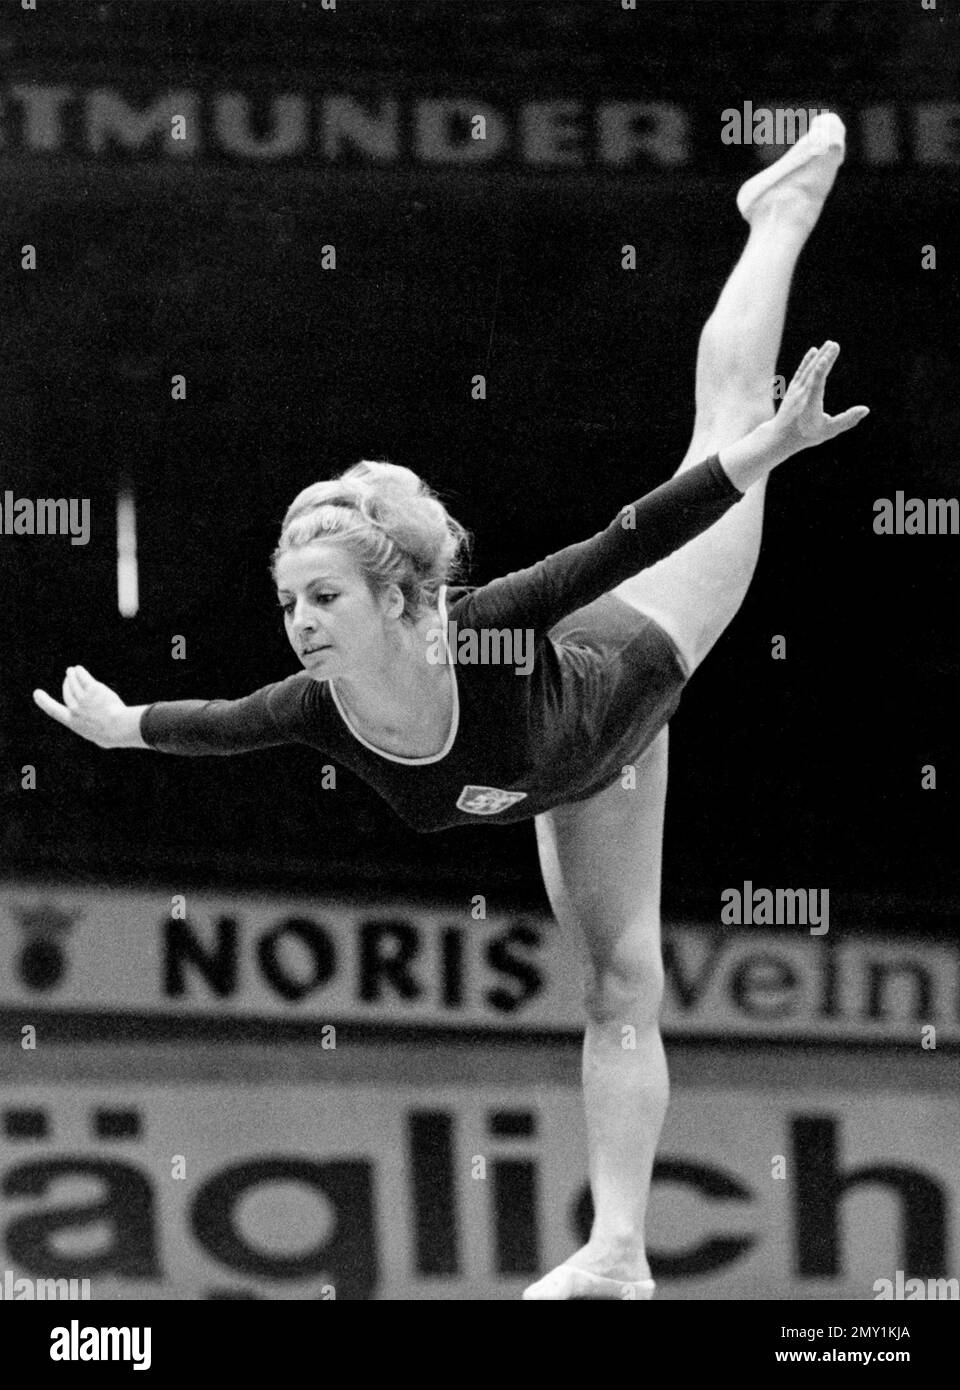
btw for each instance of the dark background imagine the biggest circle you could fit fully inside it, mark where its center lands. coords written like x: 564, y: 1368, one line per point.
x: 797, y: 772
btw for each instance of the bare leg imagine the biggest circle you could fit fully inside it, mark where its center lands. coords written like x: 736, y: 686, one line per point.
x: 695, y: 592
x: 601, y: 862
x: 601, y: 858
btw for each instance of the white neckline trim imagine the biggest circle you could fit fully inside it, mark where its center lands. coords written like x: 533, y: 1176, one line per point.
x: 454, y: 722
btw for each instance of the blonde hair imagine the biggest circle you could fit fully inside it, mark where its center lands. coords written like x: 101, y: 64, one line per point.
x: 394, y: 526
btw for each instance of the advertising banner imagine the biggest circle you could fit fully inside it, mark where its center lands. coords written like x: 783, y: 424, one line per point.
x: 308, y: 122
x: 401, y: 1192
x: 217, y: 956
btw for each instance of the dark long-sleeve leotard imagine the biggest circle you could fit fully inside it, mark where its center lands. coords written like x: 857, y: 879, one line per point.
x: 604, y: 680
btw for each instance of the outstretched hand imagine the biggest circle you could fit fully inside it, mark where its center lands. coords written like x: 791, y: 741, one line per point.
x: 90, y: 708
x: 801, y: 421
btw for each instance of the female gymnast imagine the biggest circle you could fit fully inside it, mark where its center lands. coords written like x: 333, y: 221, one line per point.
x: 620, y: 622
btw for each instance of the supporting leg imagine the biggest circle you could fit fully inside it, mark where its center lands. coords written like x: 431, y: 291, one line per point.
x: 601, y: 863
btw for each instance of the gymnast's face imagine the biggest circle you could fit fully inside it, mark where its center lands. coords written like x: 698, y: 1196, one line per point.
x: 334, y: 622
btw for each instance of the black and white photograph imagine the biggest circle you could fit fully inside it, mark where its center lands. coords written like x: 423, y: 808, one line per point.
x: 479, y: 530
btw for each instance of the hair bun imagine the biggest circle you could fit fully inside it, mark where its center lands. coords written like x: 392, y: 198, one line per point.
x: 400, y: 502
x: 386, y: 479
x: 393, y: 504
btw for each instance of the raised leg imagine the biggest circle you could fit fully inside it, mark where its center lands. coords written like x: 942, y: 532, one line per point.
x: 601, y: 863
x: 695, y: 592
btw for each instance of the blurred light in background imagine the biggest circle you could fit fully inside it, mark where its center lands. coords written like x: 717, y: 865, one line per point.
x: 128, y: 592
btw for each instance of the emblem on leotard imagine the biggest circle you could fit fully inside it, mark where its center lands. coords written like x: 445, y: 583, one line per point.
x: 487, y: 801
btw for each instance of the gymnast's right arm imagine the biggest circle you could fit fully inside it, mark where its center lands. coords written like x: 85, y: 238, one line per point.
x: 268, y: 717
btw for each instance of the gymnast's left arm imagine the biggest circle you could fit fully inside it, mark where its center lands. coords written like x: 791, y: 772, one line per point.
x: 666, y: 518
x: 642, y: 533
